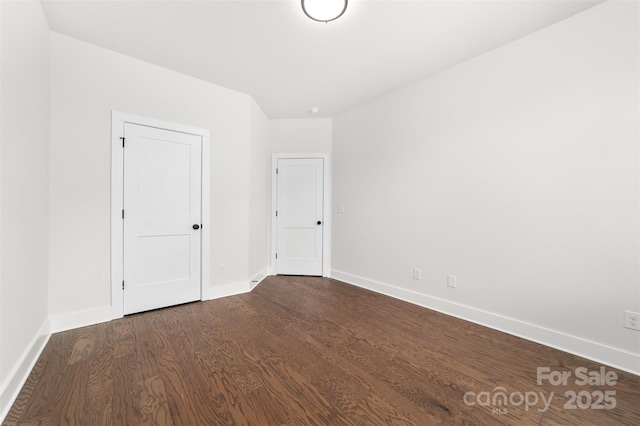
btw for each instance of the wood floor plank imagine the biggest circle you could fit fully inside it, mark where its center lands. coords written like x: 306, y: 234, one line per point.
x: 154, y: 407
x: 339, y: 385
x: 20, y: 404
x: 424, y: 397
x: 267, y: 355
x: 83, y: 348
x: 243, y: 382
x: 470, y: 358
x: 303, y: 351
x: 69, y: 405
x: 126, y: 399
x: 182, y: 386
x: 98, y: 402
x: 52, y: 361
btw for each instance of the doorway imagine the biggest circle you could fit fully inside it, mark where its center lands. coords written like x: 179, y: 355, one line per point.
x: 160, y: 238
x: 300, y: 216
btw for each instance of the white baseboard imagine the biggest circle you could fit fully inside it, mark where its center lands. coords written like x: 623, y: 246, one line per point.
x: 18, y: 376
x: 597, y: 352
x: 218, y: 291
x: 79, y: 319
x: 257, y: 279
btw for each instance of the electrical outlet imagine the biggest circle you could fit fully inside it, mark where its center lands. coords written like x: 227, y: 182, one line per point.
x: 452, y: 281
x: 222, y: 269
x: 340, y: 208
x: 632, y: 320
x: 417, y: 274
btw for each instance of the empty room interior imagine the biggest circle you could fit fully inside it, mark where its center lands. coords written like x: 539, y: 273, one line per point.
x: 250, y: 212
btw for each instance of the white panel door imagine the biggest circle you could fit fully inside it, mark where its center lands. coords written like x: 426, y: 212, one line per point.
x: 299, y: 216
x: 162, y: 209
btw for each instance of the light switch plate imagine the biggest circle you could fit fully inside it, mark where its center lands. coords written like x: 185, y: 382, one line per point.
x: 452, y: 281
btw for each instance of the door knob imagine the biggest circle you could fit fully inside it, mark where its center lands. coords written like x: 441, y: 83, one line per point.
x: 319, y: 222
x: 196, y: 226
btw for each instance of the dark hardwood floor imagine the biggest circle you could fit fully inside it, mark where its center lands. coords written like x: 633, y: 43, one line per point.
x: 310, y: 351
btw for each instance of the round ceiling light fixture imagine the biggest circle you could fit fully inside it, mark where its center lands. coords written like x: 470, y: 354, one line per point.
x: 324, y: 10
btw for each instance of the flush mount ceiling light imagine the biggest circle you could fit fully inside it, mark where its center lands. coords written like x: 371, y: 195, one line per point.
x: 324, y: 10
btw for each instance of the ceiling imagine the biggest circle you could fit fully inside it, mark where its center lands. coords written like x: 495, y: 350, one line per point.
x: 270, y: 50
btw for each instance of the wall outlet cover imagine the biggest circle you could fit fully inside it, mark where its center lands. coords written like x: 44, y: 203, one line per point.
x: 417, y: 274
x: 632, y: 320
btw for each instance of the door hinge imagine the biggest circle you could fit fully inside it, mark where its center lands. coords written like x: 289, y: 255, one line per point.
x: 123, y: 214
x: 276, y: 171
x: 276, y: 255
x: 276, y: 213
x: 123, y: 284
x: 122, y: 142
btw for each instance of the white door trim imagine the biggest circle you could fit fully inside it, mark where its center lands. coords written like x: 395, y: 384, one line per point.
x: 118, y: 120
x: 326, y: 229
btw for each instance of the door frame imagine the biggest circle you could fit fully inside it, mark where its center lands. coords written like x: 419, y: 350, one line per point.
x: 326, y: 220
x: 118, y: 120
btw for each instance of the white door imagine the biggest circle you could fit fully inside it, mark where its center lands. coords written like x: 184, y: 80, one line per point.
x: 162, y: 212
x: 299, y: 216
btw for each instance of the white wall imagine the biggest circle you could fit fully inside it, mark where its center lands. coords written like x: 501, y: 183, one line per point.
x: 300, y: 135
x: 87, y: 82
x: 259, y: 195
x: 24, y: 193
x: 517, y: 172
